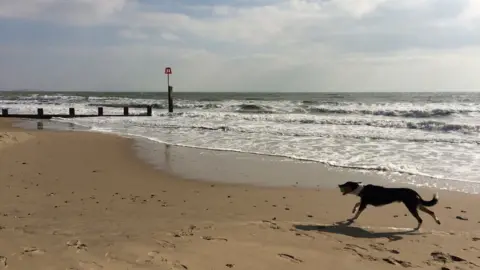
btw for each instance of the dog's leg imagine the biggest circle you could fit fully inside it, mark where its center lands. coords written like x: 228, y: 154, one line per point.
x: 360, y: 210
x: 431, y: 213
x: 355, y: 207
x: 413, y: 209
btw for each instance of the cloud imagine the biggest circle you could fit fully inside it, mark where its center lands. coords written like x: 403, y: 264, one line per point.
x: 62, y: 11
x: 273, y: 45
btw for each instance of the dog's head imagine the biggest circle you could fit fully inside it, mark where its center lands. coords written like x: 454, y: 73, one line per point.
x: 348, y: 187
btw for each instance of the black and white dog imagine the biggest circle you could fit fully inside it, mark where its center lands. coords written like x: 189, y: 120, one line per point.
x: 378, y: 196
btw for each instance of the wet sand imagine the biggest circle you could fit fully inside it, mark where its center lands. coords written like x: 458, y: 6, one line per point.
x: 80, y: 200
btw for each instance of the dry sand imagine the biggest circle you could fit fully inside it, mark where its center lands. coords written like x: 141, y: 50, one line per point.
x: 78, y: 200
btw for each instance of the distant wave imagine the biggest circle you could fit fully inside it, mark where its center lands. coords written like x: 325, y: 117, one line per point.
x: 308, y: 107
x: 428, y: 125
x: 157, y: 105
x: 414, y: 113
x: 253, y: 108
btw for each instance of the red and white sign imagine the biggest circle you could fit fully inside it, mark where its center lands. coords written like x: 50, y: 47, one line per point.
x: 168, y: 70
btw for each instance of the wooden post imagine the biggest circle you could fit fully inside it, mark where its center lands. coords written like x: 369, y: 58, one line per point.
x: 168, y: 72
x: 5, y: 112
x: 149, y: 110
x: 100, y: 111
x: 125, y: 111
x: 71, y: 112
x: 170, y: 99
x: 40, y: 112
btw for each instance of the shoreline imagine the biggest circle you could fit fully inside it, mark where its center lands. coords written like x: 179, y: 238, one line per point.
x: 83, y: 200
x: 256, y: 169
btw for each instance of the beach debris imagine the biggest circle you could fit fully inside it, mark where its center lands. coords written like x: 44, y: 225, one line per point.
x: 310, y: 216
x: 474, y: 238
x: 463, y: 211
x: 290, y: 257
x: 286, y: 208
x: 230, y: 265
x: 461, y: 218
x: 394, y: 261
x: 3, y: 261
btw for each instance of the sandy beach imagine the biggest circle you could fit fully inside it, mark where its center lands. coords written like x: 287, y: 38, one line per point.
x: 81, y: 200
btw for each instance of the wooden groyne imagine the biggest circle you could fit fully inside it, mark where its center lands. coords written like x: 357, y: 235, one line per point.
x: 71, y: 114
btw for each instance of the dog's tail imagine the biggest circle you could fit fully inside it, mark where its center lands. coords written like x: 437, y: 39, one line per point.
x: 431, y: 202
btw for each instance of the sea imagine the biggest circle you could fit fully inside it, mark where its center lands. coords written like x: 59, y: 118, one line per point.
x: 434, y: 136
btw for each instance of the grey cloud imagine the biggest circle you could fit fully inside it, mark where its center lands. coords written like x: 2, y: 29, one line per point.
x: 388, y: 30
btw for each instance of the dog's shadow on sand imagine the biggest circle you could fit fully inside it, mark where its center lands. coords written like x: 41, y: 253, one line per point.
x: 344, y: 228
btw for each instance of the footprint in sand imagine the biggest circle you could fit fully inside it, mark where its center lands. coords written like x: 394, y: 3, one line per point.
x: 302, y: 234
x: 381, y: 247
x: 189, y: 232
x: 175, y: 265
x: 394, y: 261
x: 151, y: 256
x: 444, y: 258
x: 289, y: 257
x: 3, y: 261
x: 77, y: 244
x: 178, y: 266
x: 359, y: 251
x: 210, y: 238
x: 165, y: 244
x: 90, y: 265
x: 271, y: 224
x: 30, y: 251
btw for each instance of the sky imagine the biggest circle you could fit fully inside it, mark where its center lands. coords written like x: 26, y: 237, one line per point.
x: 240, y: 45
